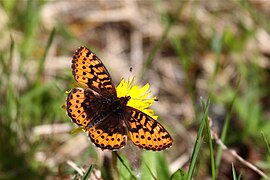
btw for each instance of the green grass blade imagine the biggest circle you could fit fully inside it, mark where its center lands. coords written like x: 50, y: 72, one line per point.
x: 197, y: 143
x: 154, y: 166
x: 266, y: 143
x: 30, y: 21
x: 11, y: 49
x: 226, y: 126
x: 42, y: 61
x: 162, y: 166
x: 132, y: 176
x: 178, y: 175
x: 76, y: 176
x: 212, y: 159
x: 185, y: 61
x: 88, y: 173
x: 217, y: 47
x: 234, y: 173
x: 151, y: 173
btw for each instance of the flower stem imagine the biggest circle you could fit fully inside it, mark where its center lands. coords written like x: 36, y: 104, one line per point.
x: 114, y: 165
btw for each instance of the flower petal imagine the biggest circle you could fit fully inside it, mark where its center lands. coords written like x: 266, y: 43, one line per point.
x: 138, y: 96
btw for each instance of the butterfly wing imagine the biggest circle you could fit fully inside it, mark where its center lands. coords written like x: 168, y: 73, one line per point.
x: 83, y: 105
x: 110, y: 134
x: 89, y: 71
x: 106, y: 128
x: 146, y: 132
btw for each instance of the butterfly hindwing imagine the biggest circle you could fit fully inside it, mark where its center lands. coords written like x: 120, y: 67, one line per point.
x: 146, y: 132
x: 89, y: 70
x: 110, y: 133
x: 82, y: 105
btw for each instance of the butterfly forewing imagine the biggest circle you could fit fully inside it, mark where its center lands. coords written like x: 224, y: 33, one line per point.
x: 146, y: 132
x: 89, y: 70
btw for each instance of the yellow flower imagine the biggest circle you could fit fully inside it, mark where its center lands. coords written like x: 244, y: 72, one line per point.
x: 138, y: 96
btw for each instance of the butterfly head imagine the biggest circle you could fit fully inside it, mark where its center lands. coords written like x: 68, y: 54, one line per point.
x: 124, y: 100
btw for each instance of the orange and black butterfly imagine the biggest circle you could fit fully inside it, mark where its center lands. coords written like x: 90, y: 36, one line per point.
x: 107, y: 118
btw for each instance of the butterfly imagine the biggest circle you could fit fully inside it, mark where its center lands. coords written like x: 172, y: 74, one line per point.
x: 109, y: 121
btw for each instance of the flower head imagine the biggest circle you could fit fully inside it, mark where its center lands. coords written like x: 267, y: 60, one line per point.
x: 138, y: 96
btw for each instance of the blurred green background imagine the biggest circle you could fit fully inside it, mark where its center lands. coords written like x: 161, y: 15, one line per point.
x: 186, y: 50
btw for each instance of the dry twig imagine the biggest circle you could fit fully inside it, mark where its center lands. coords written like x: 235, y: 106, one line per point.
x: 234, y: 154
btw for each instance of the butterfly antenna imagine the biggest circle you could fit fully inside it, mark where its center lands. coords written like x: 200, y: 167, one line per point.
x: 130, y: 82
x: 130, y: 72
x: 155, y: 98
